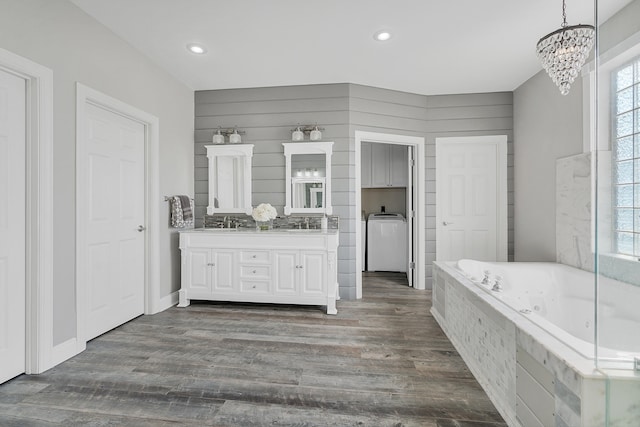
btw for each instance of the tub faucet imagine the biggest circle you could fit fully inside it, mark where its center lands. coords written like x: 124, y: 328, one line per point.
x: 497, y: 285
x: 485, y: 281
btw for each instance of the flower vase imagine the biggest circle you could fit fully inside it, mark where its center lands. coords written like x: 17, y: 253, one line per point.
x: 264, y: 225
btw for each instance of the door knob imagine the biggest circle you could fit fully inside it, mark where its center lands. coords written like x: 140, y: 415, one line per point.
x: 445, y: 223
x: 141, y: 228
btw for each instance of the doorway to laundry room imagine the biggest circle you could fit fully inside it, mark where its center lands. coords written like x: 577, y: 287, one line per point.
x: 389, y: 204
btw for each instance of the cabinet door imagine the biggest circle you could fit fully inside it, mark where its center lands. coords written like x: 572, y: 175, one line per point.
x: 286, y: 266
x: 199, y: 270
x: 379, y: 165
x: 223, y: 271
x: 365, y: 164
x: 398, y: 165
x: 313, y: 273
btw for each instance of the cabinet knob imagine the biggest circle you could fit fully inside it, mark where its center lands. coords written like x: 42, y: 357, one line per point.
x: 254, y: 272
x: 254, y: 256
x: 210, y: 264
x: 254, y: 286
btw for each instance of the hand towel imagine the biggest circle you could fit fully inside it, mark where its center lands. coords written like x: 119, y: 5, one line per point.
x: 181, y: 212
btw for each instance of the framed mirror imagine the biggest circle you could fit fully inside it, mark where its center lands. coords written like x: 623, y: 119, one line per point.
x: 308, y: 177
x: 229, y: 178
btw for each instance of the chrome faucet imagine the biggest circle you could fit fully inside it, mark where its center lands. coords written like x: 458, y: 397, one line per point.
x: 485, y: 280
x: 497, y: 285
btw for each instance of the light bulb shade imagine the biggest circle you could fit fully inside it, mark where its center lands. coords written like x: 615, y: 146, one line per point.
x: 218, y: 138
x: 315, y: 134
x: 564, y: 52
x: 235, y: 137
x: 297, y: 135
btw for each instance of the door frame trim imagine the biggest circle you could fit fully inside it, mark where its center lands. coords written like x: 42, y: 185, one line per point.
x: 502, y: 220
x: 152, y: 301
x: 420, y: 255
x: 41, y: 354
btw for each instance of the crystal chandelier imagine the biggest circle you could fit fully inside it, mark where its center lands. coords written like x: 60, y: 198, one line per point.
x: 564, y: 51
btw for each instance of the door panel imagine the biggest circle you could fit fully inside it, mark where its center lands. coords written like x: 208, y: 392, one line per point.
x: 285, y: 272
x: 397, y: 165
x: 12, y: 226
x: 379, y: 165
x: 223, y: 271
x: 199, y: 269
x: 313, y: 273
x: 115, y: 209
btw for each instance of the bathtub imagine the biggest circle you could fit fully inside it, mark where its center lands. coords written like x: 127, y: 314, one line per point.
x: 530, y: 345
x: 560, y: 299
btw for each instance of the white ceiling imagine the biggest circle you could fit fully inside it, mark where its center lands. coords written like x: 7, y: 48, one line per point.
x: 438, y: 46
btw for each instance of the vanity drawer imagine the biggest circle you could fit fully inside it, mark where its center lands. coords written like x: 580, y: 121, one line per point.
x: 255, y: 271
x: 255, y: 287
x: 261, y: 257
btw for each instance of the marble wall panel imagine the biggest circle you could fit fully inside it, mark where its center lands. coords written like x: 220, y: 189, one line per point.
x: 573, y: 211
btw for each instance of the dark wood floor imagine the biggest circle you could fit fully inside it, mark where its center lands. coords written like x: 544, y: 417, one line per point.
x: 382, y: 361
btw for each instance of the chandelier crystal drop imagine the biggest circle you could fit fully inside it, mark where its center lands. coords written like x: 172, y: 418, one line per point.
x: 564, y: 51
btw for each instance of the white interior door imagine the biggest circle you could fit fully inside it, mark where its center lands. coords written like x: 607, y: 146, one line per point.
x: 471, y: 198
x: 410, y: 211
x: 12, y: 226
x: 114, y: 214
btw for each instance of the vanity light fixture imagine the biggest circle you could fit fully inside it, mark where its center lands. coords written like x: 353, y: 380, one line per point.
x: 313, y: 131
x: 564, y: 51
x: 382, y: 35
x: 196, y: 49
x: 233, y: 134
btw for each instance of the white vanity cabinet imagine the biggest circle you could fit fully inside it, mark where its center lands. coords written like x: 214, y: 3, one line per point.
x: 282, y: 267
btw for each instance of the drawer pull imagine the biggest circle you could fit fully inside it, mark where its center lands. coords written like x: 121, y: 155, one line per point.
x: 211, y: 264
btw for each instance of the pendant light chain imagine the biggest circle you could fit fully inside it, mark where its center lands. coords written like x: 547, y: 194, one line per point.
x: 564, y: 13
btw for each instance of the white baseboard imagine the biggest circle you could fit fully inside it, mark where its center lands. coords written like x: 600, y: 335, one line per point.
x: 64, y: 351
x: 164, y: 303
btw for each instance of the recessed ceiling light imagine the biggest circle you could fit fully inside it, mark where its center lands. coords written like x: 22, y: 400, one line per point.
x: 382, y: 35
x: 196, y: 48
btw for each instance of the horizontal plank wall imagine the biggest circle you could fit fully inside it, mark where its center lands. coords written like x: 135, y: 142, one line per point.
x: 269, y: 114
x: 386, y: 111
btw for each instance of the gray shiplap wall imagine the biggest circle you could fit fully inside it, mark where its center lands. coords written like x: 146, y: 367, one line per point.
x: 386, y: 111
x: 268, y: 115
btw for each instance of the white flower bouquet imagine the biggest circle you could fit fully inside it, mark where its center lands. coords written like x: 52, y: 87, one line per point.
x: 264, y: 212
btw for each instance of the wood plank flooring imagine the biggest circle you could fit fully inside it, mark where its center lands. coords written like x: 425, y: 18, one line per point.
x: 382, y: 361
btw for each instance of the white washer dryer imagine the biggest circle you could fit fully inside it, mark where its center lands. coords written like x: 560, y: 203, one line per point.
x: 386, y: 242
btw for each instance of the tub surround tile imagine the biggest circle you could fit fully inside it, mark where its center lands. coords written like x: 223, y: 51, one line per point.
x: 618, y: 268
x: 573, y: 211
x: 484, y: 339
x: 593, y: 402
x: 624, y: 398
x: 568, y: 404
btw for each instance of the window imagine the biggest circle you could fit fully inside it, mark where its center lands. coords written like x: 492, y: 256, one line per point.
x: 626, y: 159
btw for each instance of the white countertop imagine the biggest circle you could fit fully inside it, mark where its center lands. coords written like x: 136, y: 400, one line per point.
x: 279, y: 231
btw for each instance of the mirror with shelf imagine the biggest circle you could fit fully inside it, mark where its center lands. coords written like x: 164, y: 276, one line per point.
x: 308, y: 177
x: 229, y: 178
